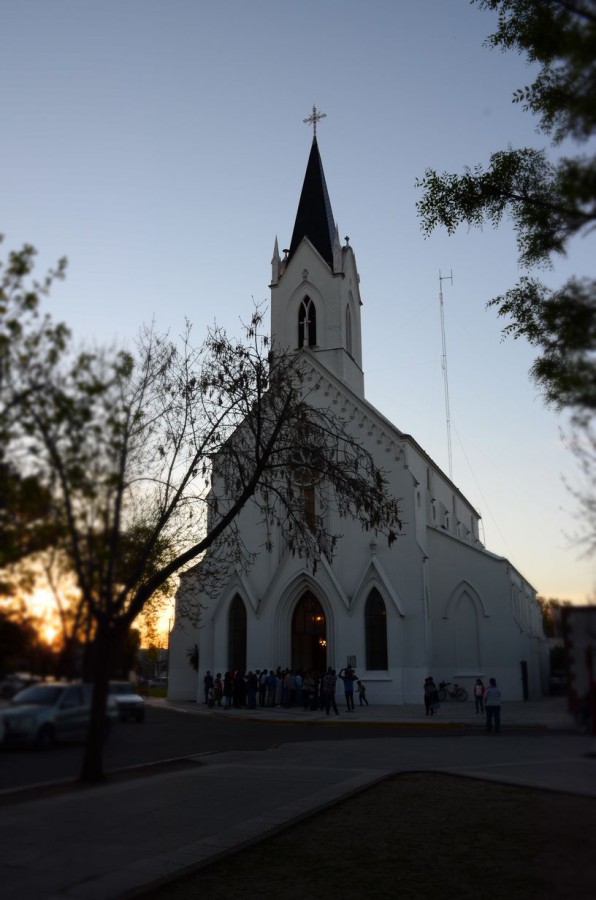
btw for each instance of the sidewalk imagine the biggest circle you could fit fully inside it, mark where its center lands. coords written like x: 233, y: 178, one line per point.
x: 117, y: 840
x: 548, y: 713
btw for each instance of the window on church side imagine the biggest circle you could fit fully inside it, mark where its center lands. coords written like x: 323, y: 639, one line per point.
x: 467, y: 641
x: 307, y: 462
x: 375, y: 626
x: 309, y: 506
x: 307, y: 324
x: 348, y: 330
x: 237, y: 635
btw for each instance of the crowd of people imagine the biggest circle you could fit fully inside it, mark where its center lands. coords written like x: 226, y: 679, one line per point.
x: 283, y: 688
x: 315, y: 691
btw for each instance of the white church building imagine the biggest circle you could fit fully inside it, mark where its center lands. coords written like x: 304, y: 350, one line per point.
x: 436, y: 602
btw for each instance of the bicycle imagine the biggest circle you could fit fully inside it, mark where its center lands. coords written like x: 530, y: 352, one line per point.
x: 452, y: 691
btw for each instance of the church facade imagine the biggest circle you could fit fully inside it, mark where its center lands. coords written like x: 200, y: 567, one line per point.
x: 436, y: 602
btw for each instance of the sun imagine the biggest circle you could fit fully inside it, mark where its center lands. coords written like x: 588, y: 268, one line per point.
x: 41, y: 604
x: 48, y: 633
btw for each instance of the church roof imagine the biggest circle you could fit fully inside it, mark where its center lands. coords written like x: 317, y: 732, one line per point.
x: 314, y: 218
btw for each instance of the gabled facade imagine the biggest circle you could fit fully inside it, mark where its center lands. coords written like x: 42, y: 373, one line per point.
x: 436, y: 602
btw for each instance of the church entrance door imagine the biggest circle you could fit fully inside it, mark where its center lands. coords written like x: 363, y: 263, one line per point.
x: 309, y: 635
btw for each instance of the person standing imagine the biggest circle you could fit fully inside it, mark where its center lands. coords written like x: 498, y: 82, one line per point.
x: 427, y: 696
x: 217, y: 689
x: 348, y: 676
x: 279, y: 681
x: 262, y: 687
x: 298, y: 682
x: 431, y: 697
x: 287, y: 688
x: 252, y: 687
x: 328, y: 691
x: 362, y: 693
x: 228, y: 689
x: 271, y: 682
x: 479, y: 691
x: 308, y: 686
x: 492, y: 705
x: 207, y: 684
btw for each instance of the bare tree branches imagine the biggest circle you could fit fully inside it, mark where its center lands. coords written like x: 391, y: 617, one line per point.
x: 129, y: 446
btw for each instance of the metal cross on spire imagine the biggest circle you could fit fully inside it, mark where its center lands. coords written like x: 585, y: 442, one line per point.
x: 314, y: 117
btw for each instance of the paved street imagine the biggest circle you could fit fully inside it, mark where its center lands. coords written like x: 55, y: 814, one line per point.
x: 115, y: 840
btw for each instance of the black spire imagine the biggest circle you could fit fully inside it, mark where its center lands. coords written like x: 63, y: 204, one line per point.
x: 314, y: 218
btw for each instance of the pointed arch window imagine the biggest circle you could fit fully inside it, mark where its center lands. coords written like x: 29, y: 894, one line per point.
x: 467, y: 638
x: 309, y: 502
x: 237, y: 635
x: 307, y: 323
x: 349, y: 330
x: 375, y: 627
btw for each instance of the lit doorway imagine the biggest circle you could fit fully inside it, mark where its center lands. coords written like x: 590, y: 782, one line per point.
x: 309, y: 635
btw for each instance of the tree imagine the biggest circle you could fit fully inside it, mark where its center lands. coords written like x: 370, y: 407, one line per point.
x: 17, y: 640
x: 551, y: 615
x: 21, y: 647
x: 128, y: 444
x: 549, y: 202
x: 25, y: 526
x: 31, y: 345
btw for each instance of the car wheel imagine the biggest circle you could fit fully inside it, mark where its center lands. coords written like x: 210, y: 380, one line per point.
x: 45, y: 738
x: 140, y: 717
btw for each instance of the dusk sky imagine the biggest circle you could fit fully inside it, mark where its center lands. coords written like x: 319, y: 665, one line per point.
x: 160, y: 146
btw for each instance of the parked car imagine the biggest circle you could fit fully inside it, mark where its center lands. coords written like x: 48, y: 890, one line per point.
x: 16, y: 682
x: 49, y: 712
x: 159, y: 681
x: 130, y: 704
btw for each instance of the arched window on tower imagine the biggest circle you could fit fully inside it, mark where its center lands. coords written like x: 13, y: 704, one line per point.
x: 349, y: 330
x: 307, y: 324
x: 375, y: 627
x: 237, y: 635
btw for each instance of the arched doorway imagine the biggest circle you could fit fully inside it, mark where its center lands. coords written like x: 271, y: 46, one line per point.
x: 309, y: 635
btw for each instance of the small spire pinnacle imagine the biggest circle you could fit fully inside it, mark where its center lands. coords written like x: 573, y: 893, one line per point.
x: 315, y: 116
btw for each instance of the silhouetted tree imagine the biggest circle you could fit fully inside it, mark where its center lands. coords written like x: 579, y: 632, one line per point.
x: 548, y: 200
x: 128, y: 444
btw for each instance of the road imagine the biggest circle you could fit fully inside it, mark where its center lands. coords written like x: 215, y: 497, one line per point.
x: 168, y: 735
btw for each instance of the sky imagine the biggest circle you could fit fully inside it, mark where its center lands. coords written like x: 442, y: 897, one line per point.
x: 161, y: 147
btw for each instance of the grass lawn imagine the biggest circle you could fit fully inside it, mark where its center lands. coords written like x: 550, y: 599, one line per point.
x: 417, y: 837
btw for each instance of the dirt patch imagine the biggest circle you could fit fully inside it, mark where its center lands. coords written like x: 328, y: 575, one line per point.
x: 418, y: 837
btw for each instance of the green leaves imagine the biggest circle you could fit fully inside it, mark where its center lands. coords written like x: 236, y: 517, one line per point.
x: 545, y: 202
x: 562, y: 324
x: 548, y: 202
x: 560, y: 36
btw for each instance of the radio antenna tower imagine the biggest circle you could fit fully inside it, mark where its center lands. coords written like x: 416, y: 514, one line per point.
x: 443, y: 278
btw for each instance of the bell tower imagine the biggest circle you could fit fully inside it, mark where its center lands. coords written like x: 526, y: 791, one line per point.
x: 315, y: 292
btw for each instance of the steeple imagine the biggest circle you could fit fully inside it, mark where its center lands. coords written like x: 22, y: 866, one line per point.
x: 315, y: 289
x: 314, y: 218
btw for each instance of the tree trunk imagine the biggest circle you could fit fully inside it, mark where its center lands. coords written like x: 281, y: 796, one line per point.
x: 92, y: 770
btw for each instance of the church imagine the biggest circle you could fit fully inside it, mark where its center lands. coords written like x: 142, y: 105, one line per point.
x: 437, y: 602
